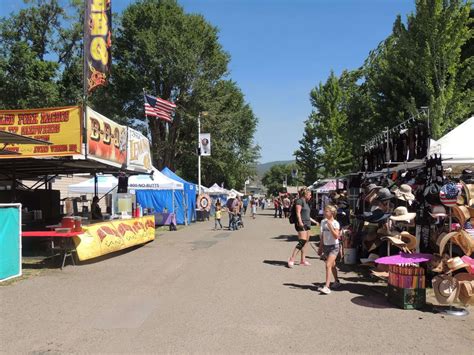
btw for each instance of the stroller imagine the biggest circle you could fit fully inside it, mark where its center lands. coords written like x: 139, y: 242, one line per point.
x: 237, y: 222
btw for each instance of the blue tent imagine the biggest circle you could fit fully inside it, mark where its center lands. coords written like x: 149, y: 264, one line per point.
x: 190, y: 192
x: 172, y: 200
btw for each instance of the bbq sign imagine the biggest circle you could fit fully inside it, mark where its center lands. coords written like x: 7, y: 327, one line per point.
x: 106, y: 139
x: 106, y: 237
x: 60, y: 126
x: 97, y: 40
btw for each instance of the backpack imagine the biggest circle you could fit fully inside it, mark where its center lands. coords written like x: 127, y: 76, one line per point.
x: 292, y: 217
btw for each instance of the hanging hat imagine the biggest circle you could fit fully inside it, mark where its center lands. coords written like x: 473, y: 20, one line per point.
x: 456, y: 263
x: 401, y: 214
x: 410, y: 240
x: 449, y: 194
x: 462, y: 214
x: 443, y: 239
x: 446, y: 288
x: 375, y: 216
x: 404, y: 193
x: 384, y: 194
x: 438, y: 211
x: 438, y: 264
x: 466, y: 288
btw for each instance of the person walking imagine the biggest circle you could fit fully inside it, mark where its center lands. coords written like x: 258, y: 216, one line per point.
x: 302, y: 225
x: 246, y: 204
x: 329, y: 245
x: 253, y: 205
x: 218, y: 216
x: 276, y: 205
x: 286, y: 206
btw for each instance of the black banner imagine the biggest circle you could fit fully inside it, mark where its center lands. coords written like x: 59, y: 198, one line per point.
x: 97, y: 43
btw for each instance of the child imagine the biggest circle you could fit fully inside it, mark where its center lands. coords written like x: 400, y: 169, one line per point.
x: 329, y: 244
x: 218, y: 217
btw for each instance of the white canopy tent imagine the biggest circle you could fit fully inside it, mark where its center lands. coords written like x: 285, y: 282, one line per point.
x: 217, y: 190
x: 456, y: 147
x: 237, y: 193
x: 105, y: 183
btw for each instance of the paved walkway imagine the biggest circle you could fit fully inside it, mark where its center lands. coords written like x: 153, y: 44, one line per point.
x: 199, y: 290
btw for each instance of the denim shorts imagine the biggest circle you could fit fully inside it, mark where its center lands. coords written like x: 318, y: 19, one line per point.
x: 331, y: 249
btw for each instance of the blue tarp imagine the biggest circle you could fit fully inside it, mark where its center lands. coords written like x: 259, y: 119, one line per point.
x: 161, y: 199
x: 189, y: 191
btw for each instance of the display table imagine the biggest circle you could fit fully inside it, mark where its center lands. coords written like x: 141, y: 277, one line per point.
x: 165, y: 219
x: 64, y: 243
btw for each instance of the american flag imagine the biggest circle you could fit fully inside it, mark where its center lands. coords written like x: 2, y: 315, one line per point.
x: 156, y: 107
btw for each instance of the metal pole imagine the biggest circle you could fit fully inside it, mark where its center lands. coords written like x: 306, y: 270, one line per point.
x: 199, y: 153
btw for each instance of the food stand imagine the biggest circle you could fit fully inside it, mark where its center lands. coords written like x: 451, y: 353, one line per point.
x: 64, y: 147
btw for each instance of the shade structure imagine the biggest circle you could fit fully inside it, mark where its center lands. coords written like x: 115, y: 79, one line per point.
x: 105, y: 184
x: 456, y: 146
x: 217, y: 190
x: 190, y: 192
x: 156, y: 181
x: 237, y: 193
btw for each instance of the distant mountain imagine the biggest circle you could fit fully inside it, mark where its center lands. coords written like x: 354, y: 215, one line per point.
x: 263, y: 168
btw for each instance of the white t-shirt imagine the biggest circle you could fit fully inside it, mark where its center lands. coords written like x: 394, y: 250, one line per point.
x: 328, y: 238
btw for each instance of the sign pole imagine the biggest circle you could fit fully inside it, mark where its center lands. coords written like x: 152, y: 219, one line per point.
x: 84, y: 76
x: 199, y: 153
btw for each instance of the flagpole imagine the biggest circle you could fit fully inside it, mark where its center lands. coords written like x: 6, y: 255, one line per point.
x: 84, y: 78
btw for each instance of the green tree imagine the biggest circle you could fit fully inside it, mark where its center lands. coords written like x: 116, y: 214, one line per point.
x: 274, y: 178
x: 330, y: 121
x: 308, y: 155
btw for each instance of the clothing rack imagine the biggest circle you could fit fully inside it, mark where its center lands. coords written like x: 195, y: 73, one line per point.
x: 385, y: 135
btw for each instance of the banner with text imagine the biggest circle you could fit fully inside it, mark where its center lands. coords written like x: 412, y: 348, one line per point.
x: 106, y: 237
x: 59, y: 125
x: 98, y: 43
x: 138, y: 153
x: 106, y: 139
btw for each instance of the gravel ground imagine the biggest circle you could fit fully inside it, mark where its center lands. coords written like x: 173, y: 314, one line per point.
x: 203, y: 291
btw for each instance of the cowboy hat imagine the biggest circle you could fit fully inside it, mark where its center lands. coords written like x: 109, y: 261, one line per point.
x: 438, y: 263
x: 449, y: 194
x: 456, y: 263
x: 438, y: 211
x: 446, y: 288
x: 461, y: 213
x: 410, y: 240
x: 443, y: 239
x: 404, y: 193
x: 401, y: 214
x: 370, y: 259
x: 466, y: 288
x: 464, y: 240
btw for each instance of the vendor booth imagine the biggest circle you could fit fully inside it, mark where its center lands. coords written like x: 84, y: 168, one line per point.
x: 190, y: 193
x: 60, y: 150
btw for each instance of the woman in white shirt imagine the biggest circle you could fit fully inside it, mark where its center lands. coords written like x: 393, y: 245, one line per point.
x: 329, y: 244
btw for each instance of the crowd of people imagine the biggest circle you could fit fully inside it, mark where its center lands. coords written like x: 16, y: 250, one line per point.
x: 236, y: 207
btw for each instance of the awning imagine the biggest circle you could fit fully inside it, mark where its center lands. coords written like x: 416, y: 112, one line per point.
x: 13, y: 138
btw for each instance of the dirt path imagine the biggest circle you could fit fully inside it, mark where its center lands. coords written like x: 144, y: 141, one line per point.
x: 199, y: 290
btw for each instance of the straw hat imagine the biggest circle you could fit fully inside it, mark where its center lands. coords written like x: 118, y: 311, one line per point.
x: 410, y: 240
x: 384, y: 194
x: 443, y: 239
x: 462, y: 214
x: 470, y: 261
x: 438, y: 263
x: 446, y: 289
x: 466, y: 288
x: 456, y: 263
x: 464, y: 240
x: 404, y: 193
x: 401, y: 214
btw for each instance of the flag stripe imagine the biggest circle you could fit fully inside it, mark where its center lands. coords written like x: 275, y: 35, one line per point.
x: 156, y: 107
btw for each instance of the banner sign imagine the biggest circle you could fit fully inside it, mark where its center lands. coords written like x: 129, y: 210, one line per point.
x: 106, y: 237
x: 60, y: 126
x: 138, y: 153
x: 10, y: 241
x: 205, y: 144
x: 97, y: 42
x: 106, y: 139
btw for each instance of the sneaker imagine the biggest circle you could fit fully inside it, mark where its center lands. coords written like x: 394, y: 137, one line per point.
x: 305, y: 263
x: 291, y: 263
x: 335, y: 285
x: 325, y: 290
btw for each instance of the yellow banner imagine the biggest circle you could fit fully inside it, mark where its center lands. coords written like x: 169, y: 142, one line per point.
x: 106, y: 237
x: 60, y: 126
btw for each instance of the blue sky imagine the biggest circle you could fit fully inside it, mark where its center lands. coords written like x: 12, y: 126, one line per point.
x: 281, y: 49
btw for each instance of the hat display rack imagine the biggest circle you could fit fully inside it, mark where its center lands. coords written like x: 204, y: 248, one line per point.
x: 451, y: 310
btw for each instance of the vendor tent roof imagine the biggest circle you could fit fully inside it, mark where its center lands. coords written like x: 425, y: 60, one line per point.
x: 104, y: 184
x: 156, y: 181
x: 217, y: 190
x: 236, y: 192
x: 456, y: 147
x: 172, y: 175
x: 328, y: 187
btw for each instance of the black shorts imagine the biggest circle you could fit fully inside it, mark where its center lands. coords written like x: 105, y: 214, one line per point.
x: 302, y: 229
